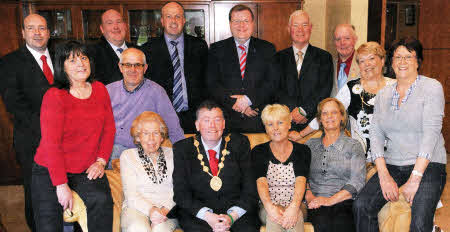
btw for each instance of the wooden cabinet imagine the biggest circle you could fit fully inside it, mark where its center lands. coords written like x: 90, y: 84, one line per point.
x: 207, y: 19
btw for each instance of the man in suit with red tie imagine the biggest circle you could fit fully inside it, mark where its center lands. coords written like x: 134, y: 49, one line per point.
x: 305, y: 72
x: 239, y: 72
x: 177, y: 62
x: 26, y: 75
x: 214, y: 186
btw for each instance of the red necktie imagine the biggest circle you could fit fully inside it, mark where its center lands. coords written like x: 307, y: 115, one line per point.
x: 242, y: 60
x: 213, y: 162
x: 47, y: 71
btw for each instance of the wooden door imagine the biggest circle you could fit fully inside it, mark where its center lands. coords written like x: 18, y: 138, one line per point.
x: 434, y: 34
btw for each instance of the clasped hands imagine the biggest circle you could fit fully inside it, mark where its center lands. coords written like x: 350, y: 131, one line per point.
x: 242, y: 106
x: 219, y: 222
x: 391, y: 190
x: 158, y: 215
x: 286, y: 217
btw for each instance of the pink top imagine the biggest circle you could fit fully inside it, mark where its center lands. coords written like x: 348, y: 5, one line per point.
x: 75, y: 132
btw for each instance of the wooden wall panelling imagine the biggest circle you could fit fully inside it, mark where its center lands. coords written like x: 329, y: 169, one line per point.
x: 434, y: 33
x: 273, y: 19
x: 11, y: 38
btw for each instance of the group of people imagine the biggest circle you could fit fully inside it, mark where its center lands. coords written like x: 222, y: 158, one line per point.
x: 78, y: 109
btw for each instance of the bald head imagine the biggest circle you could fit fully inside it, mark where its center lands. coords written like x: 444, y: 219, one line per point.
x: 345, y: 39
x: 133, y: 52
x: 113, y: 27
x: 35, y: 32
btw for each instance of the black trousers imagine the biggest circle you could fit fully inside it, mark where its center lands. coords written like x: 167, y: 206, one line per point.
x: 48, y: 213
x: 26, y: 172
x: 189, y: 223
x: 335, y: 218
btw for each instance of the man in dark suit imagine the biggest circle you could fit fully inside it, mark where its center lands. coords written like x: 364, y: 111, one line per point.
x: 239, y: 74
x: 305, y: 72
x: 107, y: 51
x: 214, y: 187
x: 26, y: 74
x: 177, y: 62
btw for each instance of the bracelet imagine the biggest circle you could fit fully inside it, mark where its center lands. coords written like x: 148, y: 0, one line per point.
x: 417, y: 173
x: 232, y: 221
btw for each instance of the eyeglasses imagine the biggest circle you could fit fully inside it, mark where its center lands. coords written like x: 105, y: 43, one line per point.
x: 128, y: 65
x: 236, y: 21
x: 407, y: 59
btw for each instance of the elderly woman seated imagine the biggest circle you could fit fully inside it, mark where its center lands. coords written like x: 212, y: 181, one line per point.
x: 337, y: 171
x: 146, y: 173
x: 281, y: 168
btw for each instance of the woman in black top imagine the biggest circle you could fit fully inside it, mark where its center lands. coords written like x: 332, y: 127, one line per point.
x: 281, y: 168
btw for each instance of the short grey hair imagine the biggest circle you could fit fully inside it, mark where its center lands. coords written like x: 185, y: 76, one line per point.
x: 298, y: 12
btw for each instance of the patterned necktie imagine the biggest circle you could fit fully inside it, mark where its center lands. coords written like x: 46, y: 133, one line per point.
x: 342, y: 76
x: 177, y: 83
x: 299, y: 61
x: 46, y: 69
x: 242, y: 60
x: 213, y: 162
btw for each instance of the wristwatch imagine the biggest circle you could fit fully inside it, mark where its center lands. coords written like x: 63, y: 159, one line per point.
x: 417, y: 173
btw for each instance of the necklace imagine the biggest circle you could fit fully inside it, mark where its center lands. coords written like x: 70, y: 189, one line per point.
x: 216, y: 182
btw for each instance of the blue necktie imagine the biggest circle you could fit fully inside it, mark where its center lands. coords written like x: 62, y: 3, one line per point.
x: 177, y: 83
x: 120, y: 50
x: 342, y: 76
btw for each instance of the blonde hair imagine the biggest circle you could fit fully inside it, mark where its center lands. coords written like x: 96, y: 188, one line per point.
x: 341, y: 108
x: 275, y: 112
x: 147, y: 116
x: 370, y: 48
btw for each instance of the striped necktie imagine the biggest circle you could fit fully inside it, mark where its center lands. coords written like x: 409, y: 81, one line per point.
x: 242, y: 60
x: 177, y: 83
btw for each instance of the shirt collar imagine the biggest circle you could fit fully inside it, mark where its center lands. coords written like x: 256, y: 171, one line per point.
x: 37, y: 55
x: 349, y: 61
x: 337, y: 144
x: 180, y: 39
x: 216, y: 148
x: 303, y: 50
x: 114, y: 47
x: 135, y: 89
x: 245, y: 44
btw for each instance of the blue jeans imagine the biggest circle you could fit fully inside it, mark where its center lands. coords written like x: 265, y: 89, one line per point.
x: 370, y: 200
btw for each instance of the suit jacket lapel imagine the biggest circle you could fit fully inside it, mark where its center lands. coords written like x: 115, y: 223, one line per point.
x: 35, y: 69
x: 232, y: 55
x: 291, y: 65
x: 307, y: 61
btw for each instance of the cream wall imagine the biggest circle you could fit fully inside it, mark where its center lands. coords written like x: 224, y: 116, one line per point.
x: 326, y: 14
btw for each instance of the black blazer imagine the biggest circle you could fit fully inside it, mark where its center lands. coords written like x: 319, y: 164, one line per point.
x: 106, y: 61
x: 161, y: 71
x: 314, y: 84
x: 224, y: 77
x: 22, y: 89
x: 191, y: 185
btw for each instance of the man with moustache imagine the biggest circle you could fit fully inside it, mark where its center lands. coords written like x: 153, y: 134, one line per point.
x: 305, y: 72
x: 135, y: 94
x: 27, y: 74
x: 177, y: 62
x: 108, y: 49
x: 239, y: 72
x: 345, y: 66
x: 214, y: 187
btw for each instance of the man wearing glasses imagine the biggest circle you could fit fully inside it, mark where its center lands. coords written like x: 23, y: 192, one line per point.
x: 135, y: 94
x: 239, y: 73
